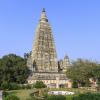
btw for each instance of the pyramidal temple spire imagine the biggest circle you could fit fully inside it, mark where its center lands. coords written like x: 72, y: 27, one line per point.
x: 44, y: 51
x: 42, y: 60
x: 43, y: 16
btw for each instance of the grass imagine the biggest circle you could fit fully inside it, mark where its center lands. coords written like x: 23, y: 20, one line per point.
x: 76, y: 90
x: 22, y: 94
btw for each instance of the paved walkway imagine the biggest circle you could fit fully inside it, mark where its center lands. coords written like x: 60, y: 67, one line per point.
x: 0, y: 95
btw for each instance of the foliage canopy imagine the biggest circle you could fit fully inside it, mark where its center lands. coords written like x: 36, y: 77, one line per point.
x: 13, y: 69
x: 82, y: 70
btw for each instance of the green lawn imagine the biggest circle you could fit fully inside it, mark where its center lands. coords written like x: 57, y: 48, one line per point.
x: 76, y: 90
x: 22, y: 94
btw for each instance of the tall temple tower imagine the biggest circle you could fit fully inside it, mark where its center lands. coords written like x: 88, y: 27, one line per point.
x: 44, y: 57
x: 42, y: 60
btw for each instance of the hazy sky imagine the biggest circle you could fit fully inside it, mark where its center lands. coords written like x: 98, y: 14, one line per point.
x: 75, y: 25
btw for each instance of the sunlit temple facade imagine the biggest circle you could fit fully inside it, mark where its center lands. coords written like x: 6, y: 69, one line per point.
x: 42, y: 60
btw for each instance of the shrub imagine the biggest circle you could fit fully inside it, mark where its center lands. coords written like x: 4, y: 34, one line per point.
x: 14, y: 86
x: 87, y: 96
x: 33, y: 98
x: 11, y: 97
x: 10, y: 86
x: 28, y: 86
x: 5, y: 86
x: 39, y: 84
x: 22, y: 86
x: 75, y: 85
x: 56, y: 97
x: 5, y: 94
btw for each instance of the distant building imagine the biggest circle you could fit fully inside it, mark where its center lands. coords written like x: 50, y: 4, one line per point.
x: 42, y: 61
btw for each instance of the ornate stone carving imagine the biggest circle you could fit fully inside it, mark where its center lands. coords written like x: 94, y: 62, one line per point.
x: 42, y: 61
x: 44, y: 51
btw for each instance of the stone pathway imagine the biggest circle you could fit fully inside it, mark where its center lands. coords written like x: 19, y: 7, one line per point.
x: 0, y: 95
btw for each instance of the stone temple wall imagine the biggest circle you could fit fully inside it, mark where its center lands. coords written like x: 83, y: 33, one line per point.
x: 42, y: 60
x: 44, y: 51
x: 43, y: 57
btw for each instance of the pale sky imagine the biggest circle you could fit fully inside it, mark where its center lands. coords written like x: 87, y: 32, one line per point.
x: 75, y: 25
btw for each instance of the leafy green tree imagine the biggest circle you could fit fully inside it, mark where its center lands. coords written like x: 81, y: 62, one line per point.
x: 39, y: 84
x: 82, y: 70
x: 13, y: 69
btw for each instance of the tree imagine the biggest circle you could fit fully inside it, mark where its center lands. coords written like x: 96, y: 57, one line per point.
x: 82, y: 70
x: 13, y: 69
x: 39, y: 84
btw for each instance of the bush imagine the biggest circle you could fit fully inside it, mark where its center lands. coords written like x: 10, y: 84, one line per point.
x: 56, y: 97
x: 87, y: 96
x: 10, y: 86
x: 22, y: 86
x: 39, y: 84
x: 5, y: 86
x: 75, y: 85
x: 33, y: 98
x: 5, y: 94
x: 14, y: 86
x: 11, y: 97
x: 28, y: 86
